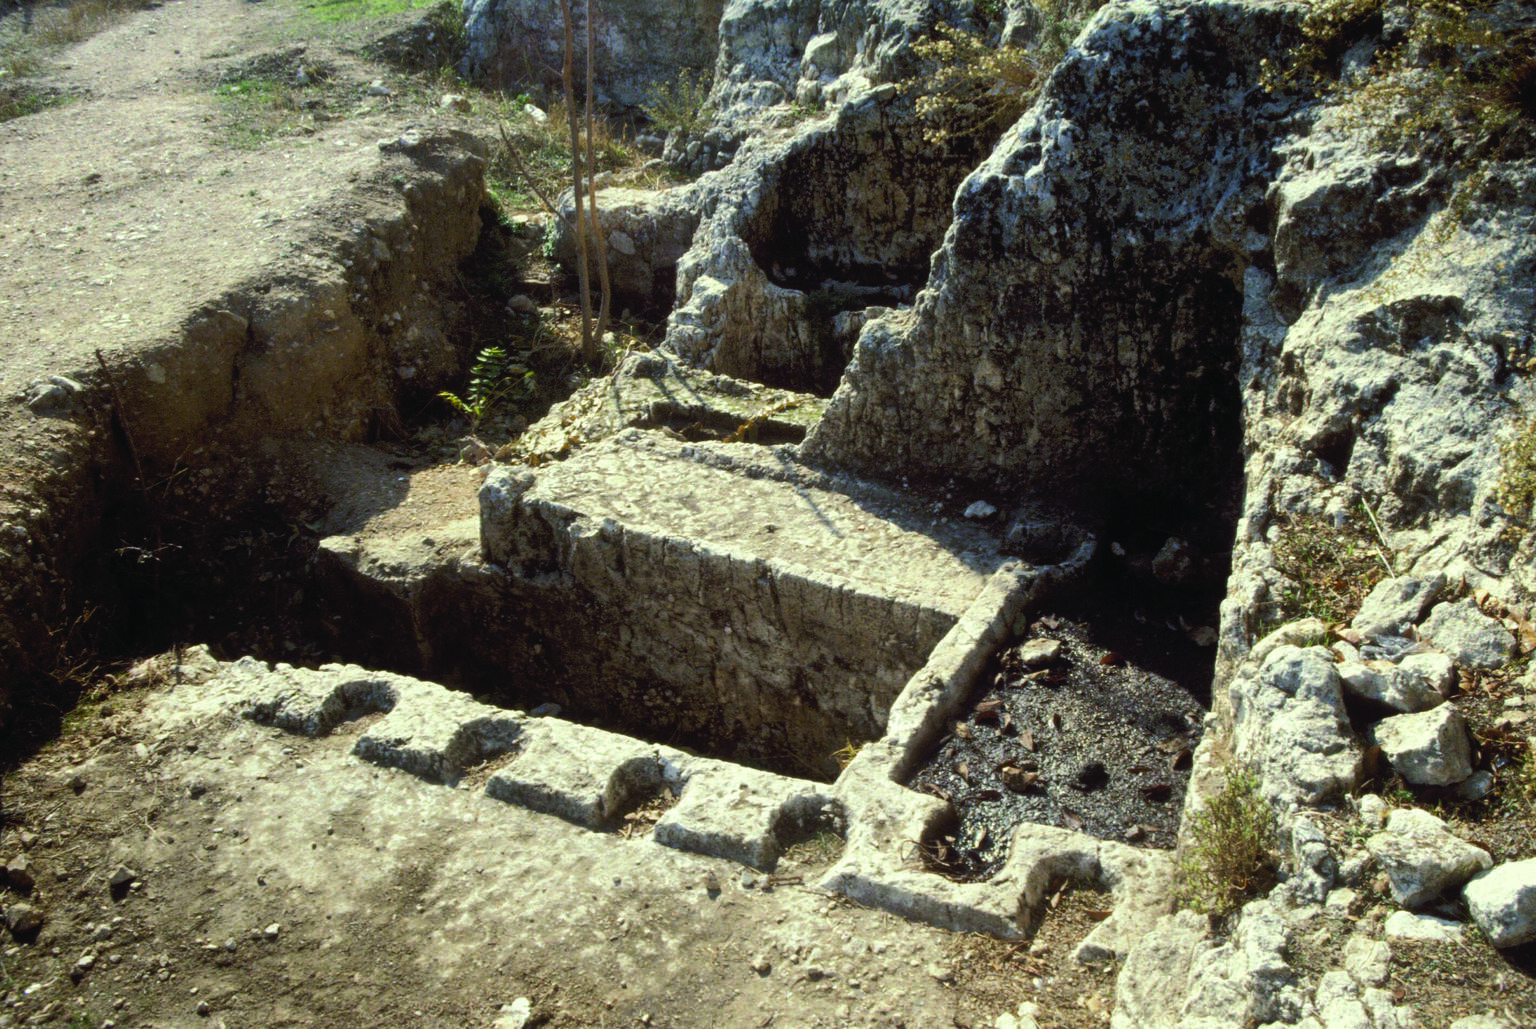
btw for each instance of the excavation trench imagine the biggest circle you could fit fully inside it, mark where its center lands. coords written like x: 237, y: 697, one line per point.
x: 680, y: 576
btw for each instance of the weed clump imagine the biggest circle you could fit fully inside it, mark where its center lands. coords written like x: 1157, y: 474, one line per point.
x: 1516, y: 489
x: 494, y: 378
x: 1231, y: 853
x: 969, y: 86
x: 1330, y: 567
x: 681, y: 107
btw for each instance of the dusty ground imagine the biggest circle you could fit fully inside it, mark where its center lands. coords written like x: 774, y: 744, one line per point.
x: 396, y: 902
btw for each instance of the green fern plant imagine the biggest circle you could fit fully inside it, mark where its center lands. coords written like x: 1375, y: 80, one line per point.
x: 495, y: 377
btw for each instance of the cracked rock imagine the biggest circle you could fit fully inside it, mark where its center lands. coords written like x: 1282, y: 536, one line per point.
x: 1393, y: 686
x: 1428, y: 748
x: 1422, y: 858
x: 1396, y: 604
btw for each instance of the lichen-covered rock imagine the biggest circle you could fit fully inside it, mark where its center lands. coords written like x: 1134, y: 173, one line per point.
x: 1289, y: 722
x: 641, y: 44
x: 1389, y: 685
x: 1503, y: 902
x: 1468, y: 635
x: 1082, y: 317
x: 1422, y: 858
x: 1395, y: 604
x: 1429, y: 748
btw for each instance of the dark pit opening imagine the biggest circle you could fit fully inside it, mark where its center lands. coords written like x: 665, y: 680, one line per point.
x: 850, y: 223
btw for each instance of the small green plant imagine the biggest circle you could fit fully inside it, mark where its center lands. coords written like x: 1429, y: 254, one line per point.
x: 495, y: 377
x: 845, y: 754
x: 796, y: 112
x: 1330, y: 567
x: 260, y: 108
x: 1231, y: 853
x: 680, y: 107
x: 818, y: 850
x: 1516, y: 489
x: 970, y: 87
x: 343, y: 11
x: 19, y: 101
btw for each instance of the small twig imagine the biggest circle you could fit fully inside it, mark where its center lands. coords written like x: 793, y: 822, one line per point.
x: 522, y: 169
x: 1380, y: 551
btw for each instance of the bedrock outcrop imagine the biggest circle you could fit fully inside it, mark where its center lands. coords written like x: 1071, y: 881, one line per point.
x: 1079, y: 328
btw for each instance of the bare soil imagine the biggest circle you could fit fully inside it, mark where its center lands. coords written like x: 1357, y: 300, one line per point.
x: 1091, y: 741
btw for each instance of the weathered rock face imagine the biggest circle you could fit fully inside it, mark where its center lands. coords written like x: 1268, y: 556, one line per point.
x: 1081, y: 324
x: 640, y: 43
x: 804, y: 235
x: 812, y: 50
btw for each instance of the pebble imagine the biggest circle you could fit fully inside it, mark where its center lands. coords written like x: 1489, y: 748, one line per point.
x: 761, y: 965
x: 23, y: 918
x: 1405, y: 925
x: 271, y: 931
x: 19, y: 871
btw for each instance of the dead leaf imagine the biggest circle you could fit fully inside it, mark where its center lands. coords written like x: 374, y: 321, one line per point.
x: 1112, y: 659
x: 1049, y: 621
x: 1027, y: 740
x: 963, y: 730
x: 1181, y: 760
x: 989, y: 795
x: 1157, y: 792
x: 1005, y: 724
x: 1098, y: 914
x: 988, y: 710
x: 963, y: 770
x: 1016, y: 779
x: 1071, y: 819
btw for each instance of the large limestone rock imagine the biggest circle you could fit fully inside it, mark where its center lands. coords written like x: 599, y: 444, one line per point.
x: 644, y: 234
x: 1468, y: 635
x: 1290, y: 723
x: 1422, y: 858
x: 1079, y: 331
x: 1503, y: 902
x: 807, y: 235
x: 1429, y: 748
